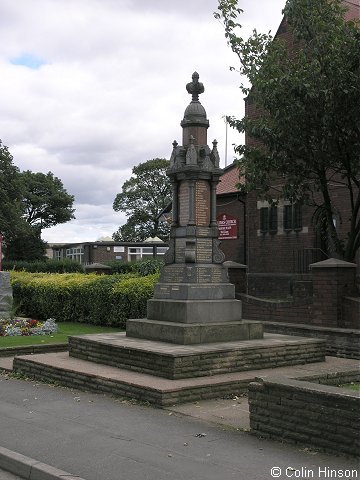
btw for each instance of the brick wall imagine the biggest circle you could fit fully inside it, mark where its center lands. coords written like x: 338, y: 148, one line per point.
x: 279, y: 285
x: 340, y: 342
x: 288, y: 311
x: 234, y: 250
x: 304, y: 413
x: 332, y: 281
x: 351, y: 312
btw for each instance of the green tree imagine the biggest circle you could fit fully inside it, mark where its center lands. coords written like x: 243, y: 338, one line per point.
x: 307, y: 98
x: 11, y: 222
x: 45, y: 202
x: 142, y: 198
x: 29, y: 202
x: 27, y: 245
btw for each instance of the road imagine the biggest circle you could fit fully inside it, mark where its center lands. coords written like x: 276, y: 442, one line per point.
x: 102, y: 438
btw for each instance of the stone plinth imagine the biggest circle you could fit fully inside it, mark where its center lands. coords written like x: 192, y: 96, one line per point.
x: 189, y: 334
x: 194, y: 311
x: 6, y: 297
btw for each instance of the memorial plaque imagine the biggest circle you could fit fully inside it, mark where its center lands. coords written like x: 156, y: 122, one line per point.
x: 183, y: 204
x: 202, y: 195
x: 164, y: 291
x: 204, y: 250
x: 173, y: 274
x: 180, y: 250
x: 202, y: 232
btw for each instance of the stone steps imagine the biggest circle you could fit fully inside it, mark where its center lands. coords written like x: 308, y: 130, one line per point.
x: 186, y: 361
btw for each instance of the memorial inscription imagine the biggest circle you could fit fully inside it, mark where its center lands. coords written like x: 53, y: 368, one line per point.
x: 184, y: 204
x: 173, y: 274
x: 180, y: 250
x: 204, y: 250
x: 202, y: 194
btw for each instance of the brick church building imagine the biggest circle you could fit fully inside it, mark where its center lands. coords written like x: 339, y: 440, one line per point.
x: 278, y: 240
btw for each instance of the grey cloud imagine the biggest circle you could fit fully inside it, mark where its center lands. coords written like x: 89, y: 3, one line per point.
x: 112, y: 93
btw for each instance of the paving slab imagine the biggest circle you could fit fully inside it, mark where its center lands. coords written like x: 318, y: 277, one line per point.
x: 229, y: 412
x: 6, y: 363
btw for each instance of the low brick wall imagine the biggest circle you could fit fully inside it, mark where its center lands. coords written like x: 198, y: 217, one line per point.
x: 298, y: 310
x: 290, y: 311
x: 351, y: 312
x: 306, y: 413
x: 278, y: 284
x: 340, y: 342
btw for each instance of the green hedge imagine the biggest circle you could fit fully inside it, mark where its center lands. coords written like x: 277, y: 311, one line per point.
x: 48, y: 266
x: 142, y: 267
x: 95, y: 299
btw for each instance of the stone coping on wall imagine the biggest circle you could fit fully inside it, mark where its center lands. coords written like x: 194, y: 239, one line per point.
x: 315, y: 328
x: 31, y: 349
x: 282, y: 302
x: 340, y: 342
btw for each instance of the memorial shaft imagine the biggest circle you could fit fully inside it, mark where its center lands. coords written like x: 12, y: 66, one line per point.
x: 194, y: 302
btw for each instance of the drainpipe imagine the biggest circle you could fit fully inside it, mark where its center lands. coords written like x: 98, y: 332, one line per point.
x: 245, y: 233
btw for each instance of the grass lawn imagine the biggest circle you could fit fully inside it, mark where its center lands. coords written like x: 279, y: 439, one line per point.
x: 65, y: 329
x: 352, y: 386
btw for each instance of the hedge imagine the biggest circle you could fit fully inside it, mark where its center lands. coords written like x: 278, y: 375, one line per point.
x: 49, y: 266
x: 142, y: 267
x: 95, y: 299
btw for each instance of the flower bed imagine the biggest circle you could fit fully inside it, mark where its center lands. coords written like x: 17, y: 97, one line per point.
x: 26, y: 327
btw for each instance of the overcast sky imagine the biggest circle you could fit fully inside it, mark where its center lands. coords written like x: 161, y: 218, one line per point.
x: 90, y: 88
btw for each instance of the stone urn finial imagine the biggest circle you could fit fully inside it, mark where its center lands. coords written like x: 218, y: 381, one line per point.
x: 195, y: 88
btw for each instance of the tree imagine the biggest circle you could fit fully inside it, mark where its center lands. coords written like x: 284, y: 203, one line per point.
x: 142, y: 198
x: 11, y: 222
x: 45, y: 202
x: 307, y: 96
x: 29, y: 202
x: 26, y: 246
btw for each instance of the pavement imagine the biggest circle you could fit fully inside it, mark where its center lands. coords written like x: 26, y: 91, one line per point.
x: 96, y: 437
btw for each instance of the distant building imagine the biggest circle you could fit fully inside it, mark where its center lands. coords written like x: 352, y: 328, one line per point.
x: 104, y: 250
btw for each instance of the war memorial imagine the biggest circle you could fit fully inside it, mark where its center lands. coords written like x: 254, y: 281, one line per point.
x: 194, y: 343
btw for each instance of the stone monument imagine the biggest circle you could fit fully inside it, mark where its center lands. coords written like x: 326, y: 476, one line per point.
x: 6, y: 297
x: 194, y: 302
x: 193, y: 342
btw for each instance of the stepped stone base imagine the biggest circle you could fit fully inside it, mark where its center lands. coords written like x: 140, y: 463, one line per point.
x: 187, y: 361
x: 216, y: 363
x: 70, y: 372
x: 194, y: 333
x: 194, y: 311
